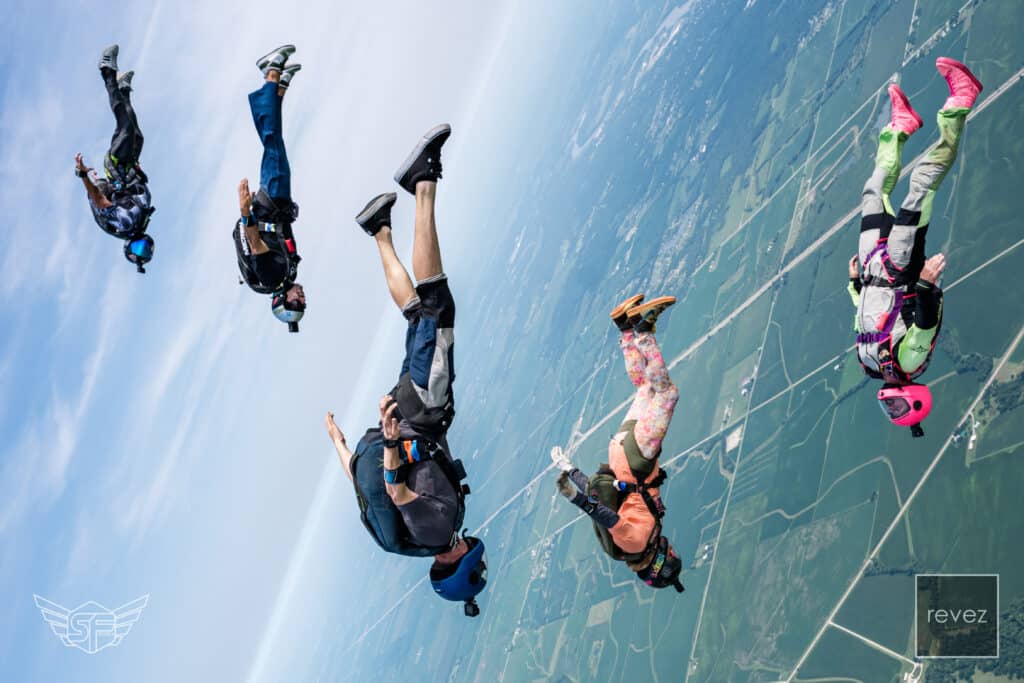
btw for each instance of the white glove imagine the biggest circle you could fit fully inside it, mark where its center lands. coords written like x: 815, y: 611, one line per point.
x: 560, y: 459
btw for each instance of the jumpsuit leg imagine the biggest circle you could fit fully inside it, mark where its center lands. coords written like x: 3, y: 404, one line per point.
x: 907, y: 240
x: 126, y: 143
x: 275, y: 172
x: 652, y: 424
x: 634, y: 359
x: 411, y: 312
x: 875, y: 208
x: 430, y: 350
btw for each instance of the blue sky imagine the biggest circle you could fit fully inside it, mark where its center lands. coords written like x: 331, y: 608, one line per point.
x: 163, y: 434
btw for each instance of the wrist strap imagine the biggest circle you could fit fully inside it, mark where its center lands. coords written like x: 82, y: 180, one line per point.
x: 396, y: 476
x: 925, y: 286
x: 80, y: 173
x: 392, y: 443
x: 246, y: 221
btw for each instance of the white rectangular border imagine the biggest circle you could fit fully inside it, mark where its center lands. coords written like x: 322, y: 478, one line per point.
x: 916, y: 656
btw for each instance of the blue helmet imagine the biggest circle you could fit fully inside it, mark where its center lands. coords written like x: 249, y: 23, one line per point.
x: 464, y: 580
x: 139, y: 251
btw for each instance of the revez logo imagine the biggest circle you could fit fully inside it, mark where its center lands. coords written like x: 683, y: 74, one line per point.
x: 957, y: 616
x: 965, y: 616
x: 91, y: 627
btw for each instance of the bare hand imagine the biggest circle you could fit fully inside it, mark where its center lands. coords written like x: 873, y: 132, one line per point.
x: 80, y: 164
x: 244, y: 197
x: 332, y: 429
x: 388, y: 421
x: 933, y: 267
x: 854, y: 267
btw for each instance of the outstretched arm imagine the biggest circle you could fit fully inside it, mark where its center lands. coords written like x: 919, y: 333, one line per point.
x: 594, y: 508
x: 252, y: 233
x: 338, y: 439
x: 573, y: 485
x: 98, y: 199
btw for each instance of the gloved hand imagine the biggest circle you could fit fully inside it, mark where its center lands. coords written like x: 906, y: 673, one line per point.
x: 560, y: 459
x: 565, y: 486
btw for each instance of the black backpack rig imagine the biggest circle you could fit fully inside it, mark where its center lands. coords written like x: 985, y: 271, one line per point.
x: 275, y: 226
x: 378, y: 513
x: 127, y: 185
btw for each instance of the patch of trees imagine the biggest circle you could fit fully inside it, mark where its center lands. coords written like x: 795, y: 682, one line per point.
x: 973, y: 362
x: 1008, y: 395
x: 1011, y: 653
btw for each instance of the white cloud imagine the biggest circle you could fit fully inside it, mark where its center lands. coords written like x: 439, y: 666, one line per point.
x: 35, y: 468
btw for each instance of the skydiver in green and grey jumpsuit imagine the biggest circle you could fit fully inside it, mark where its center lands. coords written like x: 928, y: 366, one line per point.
x: 894, y: 287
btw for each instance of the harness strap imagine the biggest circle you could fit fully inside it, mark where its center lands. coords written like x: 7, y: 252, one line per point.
x: 637, y: 487
x: 886, y: 324
x: 653, y: 503
x: 655, y: 538
x: 871, y: 337
x: 884, y: 336
x: 881, y: 247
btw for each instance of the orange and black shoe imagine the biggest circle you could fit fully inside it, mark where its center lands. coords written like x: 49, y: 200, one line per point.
x: 620, y: 314
x: 643, y: 318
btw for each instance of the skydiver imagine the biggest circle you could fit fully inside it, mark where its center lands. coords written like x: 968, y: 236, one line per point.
x: 623, y: 498
x: 408, y: 485
x: 894, y: 287
x: 120, y: 201
x: 267, y: 256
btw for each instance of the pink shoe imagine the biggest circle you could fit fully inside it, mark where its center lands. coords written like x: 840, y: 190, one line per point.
x: 904, y: 118
x: 963, y: 86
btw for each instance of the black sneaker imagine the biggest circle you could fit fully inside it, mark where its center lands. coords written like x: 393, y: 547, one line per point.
x: 124, y: 80
x: 287, y: 74
x: 377, y: 213
x: 275, y: 59
x: 108, y: 58
x: 424, y: 162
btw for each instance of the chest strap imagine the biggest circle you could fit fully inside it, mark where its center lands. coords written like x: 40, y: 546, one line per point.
x: 653, y: 502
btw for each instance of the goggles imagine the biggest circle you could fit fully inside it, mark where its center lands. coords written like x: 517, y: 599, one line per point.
x: 140, y: 250
x: 894, y: 407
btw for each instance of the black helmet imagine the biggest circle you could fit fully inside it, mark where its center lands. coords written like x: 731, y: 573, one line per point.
x: 664, y: 569
x: 139, y: 250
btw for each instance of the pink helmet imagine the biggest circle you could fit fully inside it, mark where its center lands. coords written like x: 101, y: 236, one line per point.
x: 906, y: 405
